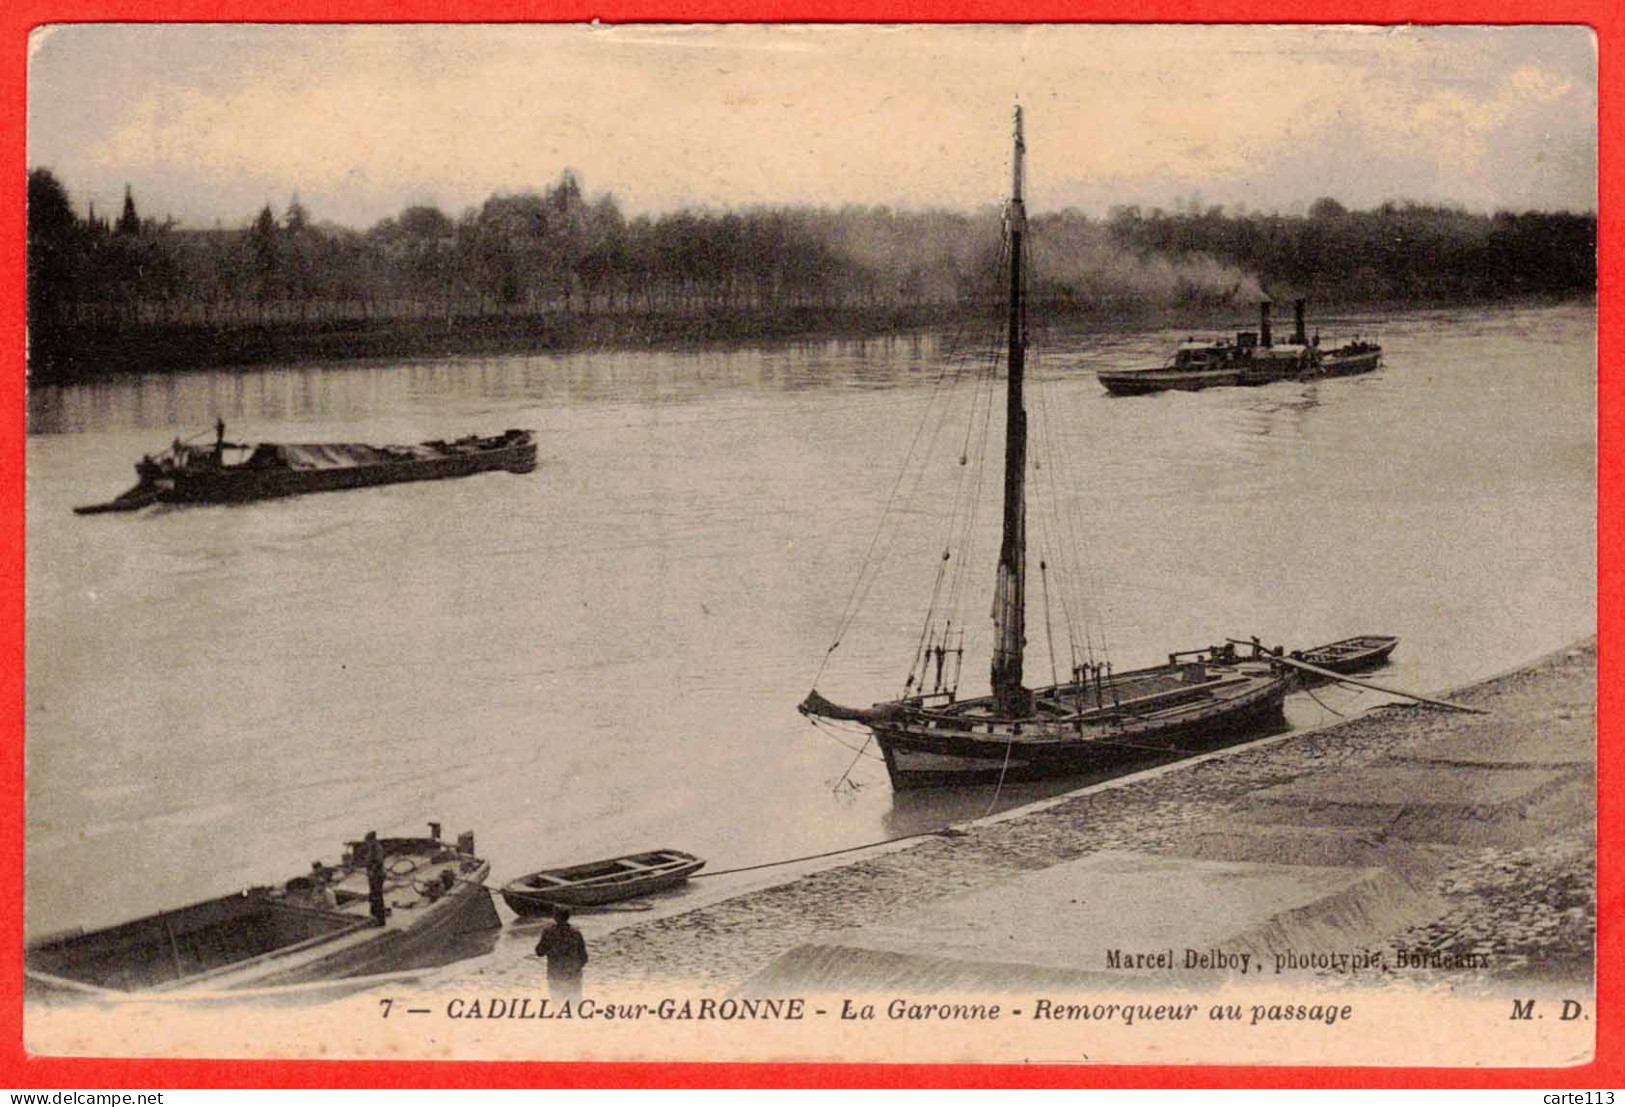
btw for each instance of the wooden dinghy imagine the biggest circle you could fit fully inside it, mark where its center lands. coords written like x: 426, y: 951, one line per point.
x: 1351, y: 655
x: 600, y: 882
x: 267, y: 938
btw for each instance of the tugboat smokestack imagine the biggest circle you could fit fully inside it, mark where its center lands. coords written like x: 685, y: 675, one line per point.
x: 1299, y: 335
x: 1263, y: 322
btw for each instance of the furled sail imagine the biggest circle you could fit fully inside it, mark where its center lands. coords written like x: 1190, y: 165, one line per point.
x: 1010, y: 593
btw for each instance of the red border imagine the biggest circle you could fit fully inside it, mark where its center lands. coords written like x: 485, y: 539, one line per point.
x: 17, y: 1070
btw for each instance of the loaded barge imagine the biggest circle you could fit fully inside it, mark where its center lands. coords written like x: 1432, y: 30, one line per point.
x: 186, y: 473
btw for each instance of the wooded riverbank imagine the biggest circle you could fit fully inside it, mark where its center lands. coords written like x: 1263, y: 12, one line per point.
x: 89, y: 352
x: 557, y: 269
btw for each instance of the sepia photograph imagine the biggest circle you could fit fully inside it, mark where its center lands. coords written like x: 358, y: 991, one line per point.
x: 981, y: 543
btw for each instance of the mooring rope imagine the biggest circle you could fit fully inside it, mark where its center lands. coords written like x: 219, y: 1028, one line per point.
x: 994, y: 801
x: 940, y: 832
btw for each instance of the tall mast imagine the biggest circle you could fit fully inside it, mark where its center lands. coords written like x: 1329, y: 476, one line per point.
x: 1010, y: 593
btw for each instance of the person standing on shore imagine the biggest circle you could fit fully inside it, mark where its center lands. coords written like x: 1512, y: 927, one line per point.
x: 566, y: 953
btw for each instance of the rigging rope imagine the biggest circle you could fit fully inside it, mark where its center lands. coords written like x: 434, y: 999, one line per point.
x: 1049, y: 629
x: 869, y: 569
x: 1060, y: 535
x: 968, y: 504
x: 825, y: 726
x: 968, y: 489
x: 922, y: 650
x: 1088, y: 622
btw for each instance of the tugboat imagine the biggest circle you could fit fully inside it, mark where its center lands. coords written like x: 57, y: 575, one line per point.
x: 185, y: 473
x: 1097, y: 719
x: 1253, y: 358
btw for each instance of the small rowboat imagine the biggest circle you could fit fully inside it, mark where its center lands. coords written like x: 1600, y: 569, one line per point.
x: 1351, y: 654
x: 599, y: 882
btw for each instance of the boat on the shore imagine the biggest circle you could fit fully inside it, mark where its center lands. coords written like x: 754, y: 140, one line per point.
x: 187, y: 473
x: 1252, y: 358
x: 1095, y: 719
x: 290, y: 934
x: 599, y: 882
x: 1350, y: 655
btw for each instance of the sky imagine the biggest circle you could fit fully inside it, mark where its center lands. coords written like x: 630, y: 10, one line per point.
x: 208, y: 123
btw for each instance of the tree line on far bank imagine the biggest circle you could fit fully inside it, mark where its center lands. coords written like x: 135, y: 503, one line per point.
x: 558, y: 252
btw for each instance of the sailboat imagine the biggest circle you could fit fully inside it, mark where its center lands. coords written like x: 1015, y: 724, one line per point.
x: 1096, y: 720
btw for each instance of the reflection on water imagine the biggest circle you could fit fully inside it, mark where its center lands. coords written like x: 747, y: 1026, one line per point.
x: 1279, y: 415
x: 605, y: 655
x: 353, y: 392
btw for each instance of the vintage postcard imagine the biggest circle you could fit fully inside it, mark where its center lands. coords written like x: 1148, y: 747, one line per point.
x: 919, y: 543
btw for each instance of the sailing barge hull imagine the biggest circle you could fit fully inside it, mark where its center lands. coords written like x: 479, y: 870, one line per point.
x: 922, y: 752
x: 914, y: 760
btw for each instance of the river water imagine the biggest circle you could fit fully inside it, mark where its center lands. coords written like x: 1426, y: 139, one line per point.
x: 606, y: 654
